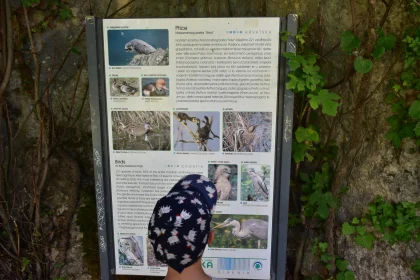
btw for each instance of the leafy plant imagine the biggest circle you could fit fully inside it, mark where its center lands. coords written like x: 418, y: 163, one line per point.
x: 25, y: 262
x: 306, y: 138
x: 28, y: 3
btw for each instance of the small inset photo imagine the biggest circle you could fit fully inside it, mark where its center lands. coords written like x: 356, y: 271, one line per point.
x: 124, y: 87
x: 240, y: 231
x: 151, y: 259
x: 225, y: 177
x: 138, y: 47
x: 141, y: 130
x: 155, y: 87
x: 130, y: 250
x: 247, y: 131
x: 196, y: 131
x: 255, y: 182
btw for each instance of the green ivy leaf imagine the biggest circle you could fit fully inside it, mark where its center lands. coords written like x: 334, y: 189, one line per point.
x: 347, y: 275
x: 295, y: 61
x: 295, y: 83
x: 387, y: 42
x: 65, y: 14
x: 348, y: 229
x: 323, y: 246
x: 366, y: 241
x: 306, y: 134
x: 323, y: 211
x: 394, y: 137
x: 355, y: 221
x: 349, y: 41
x: 327, y: 100
x: 414, y: 110
x: 361, y: 230
x: 416, y: 267
x: 378, y: 52
x: 342, y: 264
x: 28, y: 3
x: 417, y: 129
x: 363, y: 65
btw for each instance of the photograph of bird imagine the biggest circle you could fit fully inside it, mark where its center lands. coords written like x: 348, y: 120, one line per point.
x: 130, y: 248
x: 260, y: 187
x: 126, y: 88
x: 136, y: 130
x: 248, y: 229
x: 247, y: 131
x: 160, y: 88
x: 148, y: 89
x: 115, y: 87
x: 221, y: 180
x: 139, y: 46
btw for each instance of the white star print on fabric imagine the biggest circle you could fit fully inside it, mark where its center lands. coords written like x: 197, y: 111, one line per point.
x: 211, y: 191
x: 203, y: 225
x: 185, y: 215
x: 186, y: 259
x: 202, y: 212
x: 152, y: 241
x: 152, y: 220
x: 164, y: 210
x: 205, y: 239
x: 191, y: 246
x: 204, y: 178
x: 186, y: 184
x: 189, y: 192
x: 169, y: 256
x: 172, y: 194
x: 159, y: 231
x: 159, y: 249
x: 196, y: 201
x: 191, y: 235
x: 180, y: 199
x: 178, y: 221
x: 173, y: 240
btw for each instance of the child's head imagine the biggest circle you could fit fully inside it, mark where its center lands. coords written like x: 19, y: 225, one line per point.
x: 179, y: 228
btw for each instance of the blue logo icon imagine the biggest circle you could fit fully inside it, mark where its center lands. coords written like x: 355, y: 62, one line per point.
x: 257, y: 265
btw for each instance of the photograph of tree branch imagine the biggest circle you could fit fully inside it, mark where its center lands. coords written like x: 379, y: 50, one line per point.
x: 196, y: 131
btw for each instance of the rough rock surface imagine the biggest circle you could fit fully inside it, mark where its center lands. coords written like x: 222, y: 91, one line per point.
x: 159, y: 57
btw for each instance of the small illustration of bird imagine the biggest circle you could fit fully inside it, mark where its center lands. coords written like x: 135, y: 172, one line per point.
x: 252, y: 228
x: 221, y: 180
x: 139, y: 46
x: 126, y: 88
x: 259, y: 185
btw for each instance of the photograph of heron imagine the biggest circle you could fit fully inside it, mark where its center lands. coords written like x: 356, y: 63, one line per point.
x: 240, y: 231
x: 130, y: 250
x: 247, y: 131
x: 141, y: 130
x: 155, y: 87
x: 151, y: 259
x: 225, y: 177
x: 196, y: 131
x: 138, y: 47
x: 255, y: 182
x: 124, y: 87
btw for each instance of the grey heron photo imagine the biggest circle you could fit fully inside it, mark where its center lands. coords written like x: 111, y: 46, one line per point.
x: 138, y: 47
x: 255, y: 182
x: 225, y: 177
x: 240, y: 231
x: 130, y: 250
x: 247, y: 131
x: 124, y: 87
x: 141, y: 130
x: 196, y: 131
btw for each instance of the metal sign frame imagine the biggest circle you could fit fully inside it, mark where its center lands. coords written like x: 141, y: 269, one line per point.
x: 283, y: 149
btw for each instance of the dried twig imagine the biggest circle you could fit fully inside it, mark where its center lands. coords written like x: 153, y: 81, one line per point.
x: 8, y: 53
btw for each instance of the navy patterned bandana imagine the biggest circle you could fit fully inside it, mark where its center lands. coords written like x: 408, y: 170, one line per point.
x: 180, y: 222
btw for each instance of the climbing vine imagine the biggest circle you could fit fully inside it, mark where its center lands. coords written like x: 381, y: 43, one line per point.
x: 317, y: 102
